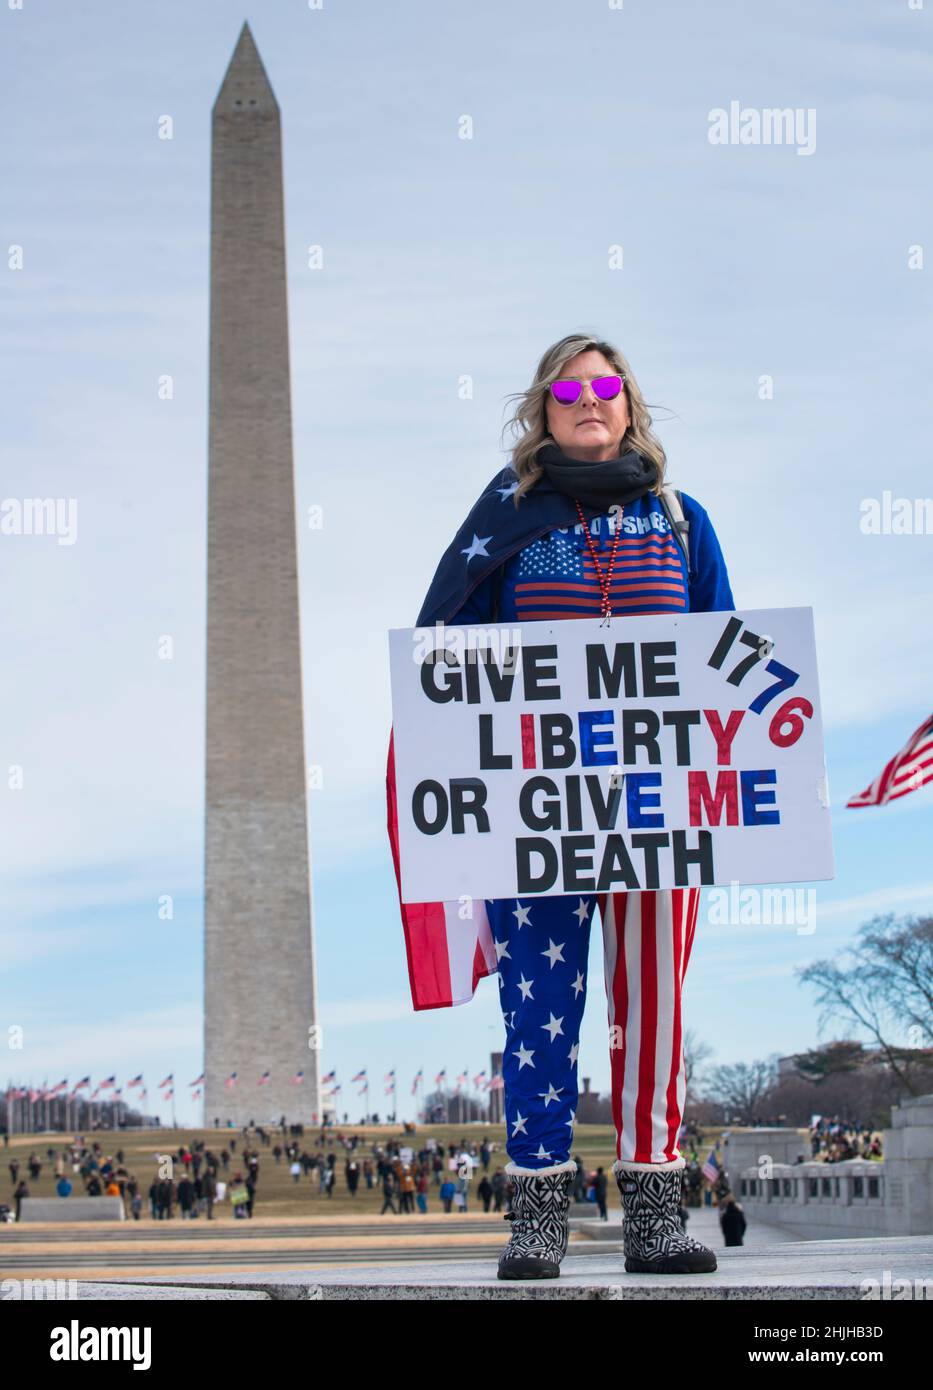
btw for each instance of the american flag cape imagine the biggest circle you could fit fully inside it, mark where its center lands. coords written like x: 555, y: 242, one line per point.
x: 907, y: 771
x: 449, y: 954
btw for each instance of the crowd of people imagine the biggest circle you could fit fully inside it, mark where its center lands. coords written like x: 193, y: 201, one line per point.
x: 837, y: 1140
x: 189, y: 1182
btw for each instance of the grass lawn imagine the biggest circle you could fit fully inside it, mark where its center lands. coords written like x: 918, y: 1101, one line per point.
x: 278, y: 1195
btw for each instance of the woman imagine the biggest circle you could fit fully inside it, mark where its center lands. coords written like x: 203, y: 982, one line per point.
x: 577, y: 526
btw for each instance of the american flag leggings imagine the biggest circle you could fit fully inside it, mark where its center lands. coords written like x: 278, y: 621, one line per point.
x: 543, y: 945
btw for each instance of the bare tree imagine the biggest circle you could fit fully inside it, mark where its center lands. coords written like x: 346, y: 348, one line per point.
x: 883, y: 984
x: 696, y: 1052
x: 742, y: 1086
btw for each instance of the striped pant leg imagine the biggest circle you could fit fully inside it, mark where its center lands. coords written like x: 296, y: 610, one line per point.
x: 647, y: 939
x: 542, y: 945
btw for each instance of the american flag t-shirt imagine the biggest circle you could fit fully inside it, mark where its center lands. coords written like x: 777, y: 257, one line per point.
x: 555, y: 576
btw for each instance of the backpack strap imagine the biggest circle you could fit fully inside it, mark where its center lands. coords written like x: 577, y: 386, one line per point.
x: 670, y: 500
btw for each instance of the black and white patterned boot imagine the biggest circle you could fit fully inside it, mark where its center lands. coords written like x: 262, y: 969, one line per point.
x: 540, y: 1221
x: 652, y: 1237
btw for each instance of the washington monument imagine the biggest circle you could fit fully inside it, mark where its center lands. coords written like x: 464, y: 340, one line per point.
x: 259, y: 987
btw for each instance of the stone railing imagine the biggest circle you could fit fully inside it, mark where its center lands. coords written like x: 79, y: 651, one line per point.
x: 858, y: 1197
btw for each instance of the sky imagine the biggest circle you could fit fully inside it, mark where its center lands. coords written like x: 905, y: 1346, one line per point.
x: 444, y: 258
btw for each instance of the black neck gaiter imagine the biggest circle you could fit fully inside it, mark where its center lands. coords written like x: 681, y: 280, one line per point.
x: 621, y: 479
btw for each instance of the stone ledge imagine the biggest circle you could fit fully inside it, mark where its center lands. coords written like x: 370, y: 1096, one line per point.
x: 88, y: 1291
x: 71, y: 1209
x: 801, y: 1270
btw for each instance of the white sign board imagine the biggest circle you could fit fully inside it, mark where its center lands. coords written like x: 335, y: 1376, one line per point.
x: 579, y: 756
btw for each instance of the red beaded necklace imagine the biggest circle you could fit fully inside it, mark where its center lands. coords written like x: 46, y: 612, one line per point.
x: 605, y: 581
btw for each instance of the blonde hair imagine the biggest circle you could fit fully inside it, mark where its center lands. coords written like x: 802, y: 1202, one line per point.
x: 529, y: 421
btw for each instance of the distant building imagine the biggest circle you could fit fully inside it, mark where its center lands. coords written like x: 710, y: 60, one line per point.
x: 591, y: 1109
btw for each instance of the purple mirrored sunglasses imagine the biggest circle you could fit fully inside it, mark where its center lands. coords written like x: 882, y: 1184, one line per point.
x: 568, y: 392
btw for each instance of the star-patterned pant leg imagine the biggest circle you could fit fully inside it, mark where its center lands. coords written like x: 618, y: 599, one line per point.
x: 647, y: 938
x: 542, y: 945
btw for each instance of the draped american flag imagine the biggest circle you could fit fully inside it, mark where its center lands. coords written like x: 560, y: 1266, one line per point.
x: 449, y: 953
x: 908, y: 770
x: 448, y: 949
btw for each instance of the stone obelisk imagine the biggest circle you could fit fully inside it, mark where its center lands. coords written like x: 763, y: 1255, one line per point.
x: 259, y: 987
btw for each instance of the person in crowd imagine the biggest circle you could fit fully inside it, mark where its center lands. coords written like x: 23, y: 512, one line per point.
x: 731, y: 1219
x: 600, y: 1188
x: 388, y: 1192
x: 446, y: 1194
x: 21, y: 1191
x: 352, y: 1175
x: 185, y: 1194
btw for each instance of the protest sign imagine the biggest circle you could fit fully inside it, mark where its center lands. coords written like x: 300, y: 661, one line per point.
x: 581, y: 756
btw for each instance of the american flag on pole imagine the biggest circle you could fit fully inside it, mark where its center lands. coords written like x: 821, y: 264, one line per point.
x: 198, y: 1080
x: 441, y: 1077
x: 107, y: 1083
x: 136, y: 1081
x: 360, y: 1076
x: 79, y: 1085
x: 57, y: 1090
x: 264, y: 1079
x: 331, y: 1076
x: 908, y: 770
x: 298, y: 1078
x: 230, y: 1081
x: 419, y: 1077
x: 480, y: 1078
x: 496, y: 1083
x: 711, y: 1168
x: 168, y: 1080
